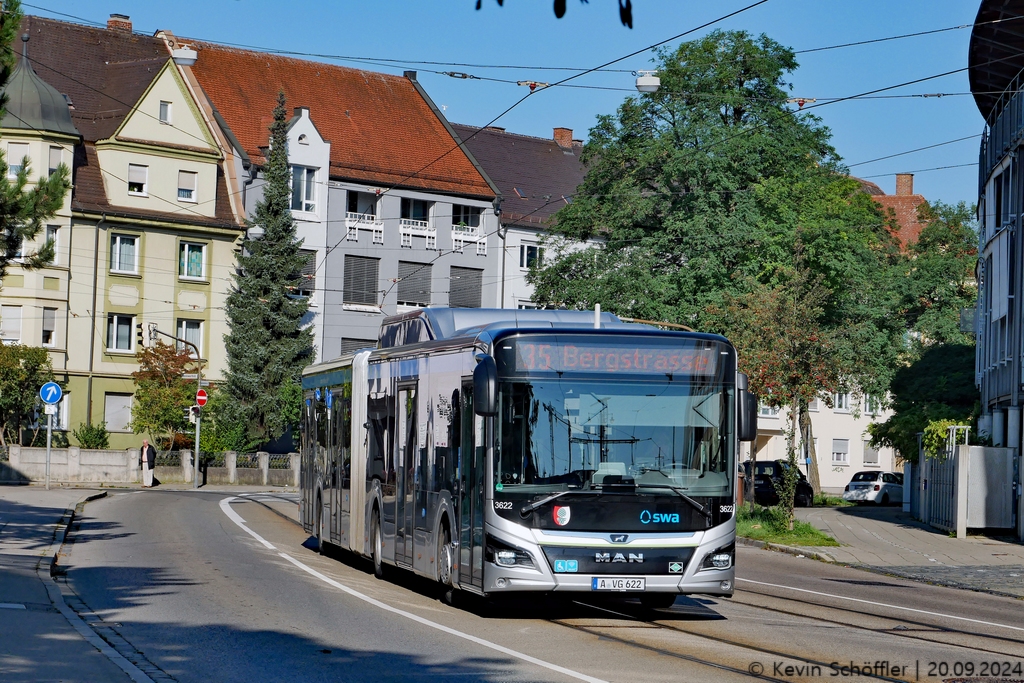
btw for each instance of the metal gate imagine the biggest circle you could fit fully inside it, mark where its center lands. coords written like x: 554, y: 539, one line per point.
x: 938, y: 480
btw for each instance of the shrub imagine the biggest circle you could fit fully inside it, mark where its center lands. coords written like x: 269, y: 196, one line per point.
x: 92, y: 436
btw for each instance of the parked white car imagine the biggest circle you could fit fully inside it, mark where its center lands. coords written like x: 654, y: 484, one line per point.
x: 881, y: 488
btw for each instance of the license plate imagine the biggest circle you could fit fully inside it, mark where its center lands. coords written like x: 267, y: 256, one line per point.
x: 618, y: 584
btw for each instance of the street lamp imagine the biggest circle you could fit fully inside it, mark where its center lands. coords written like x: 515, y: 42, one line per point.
x: 647, y: 81
x: 256, y: 232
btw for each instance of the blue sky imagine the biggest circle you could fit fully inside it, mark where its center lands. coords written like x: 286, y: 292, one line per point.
x: 525, y: 33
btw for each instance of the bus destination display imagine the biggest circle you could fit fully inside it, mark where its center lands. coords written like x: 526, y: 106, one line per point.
x: 536, y: 356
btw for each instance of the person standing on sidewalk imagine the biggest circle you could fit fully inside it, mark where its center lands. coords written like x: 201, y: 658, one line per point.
x: 147, y: 458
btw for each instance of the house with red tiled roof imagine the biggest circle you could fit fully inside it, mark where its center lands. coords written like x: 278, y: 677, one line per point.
x: 148, y: 233
x: 393, y: 212
x: 902, y: 206
x: 536, y: 177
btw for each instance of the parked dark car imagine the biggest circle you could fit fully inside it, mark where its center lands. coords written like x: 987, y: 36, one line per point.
x: 768, y: 482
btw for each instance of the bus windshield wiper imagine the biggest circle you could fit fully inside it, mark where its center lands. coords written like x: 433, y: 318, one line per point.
x: 679, y: 492
x: 527, y: 509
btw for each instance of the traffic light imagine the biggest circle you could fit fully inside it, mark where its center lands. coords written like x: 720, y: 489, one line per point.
x: 193, y: 414
x: 138, y: 335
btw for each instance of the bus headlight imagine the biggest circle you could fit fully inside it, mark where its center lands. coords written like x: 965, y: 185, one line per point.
x: 505, y: 555
x: 722, y: 558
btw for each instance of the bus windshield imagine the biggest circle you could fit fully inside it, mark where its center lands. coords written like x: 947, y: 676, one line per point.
x: 561, y: 433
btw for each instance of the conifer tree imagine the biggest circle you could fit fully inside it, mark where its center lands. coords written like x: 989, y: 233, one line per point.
x: 268, y: 345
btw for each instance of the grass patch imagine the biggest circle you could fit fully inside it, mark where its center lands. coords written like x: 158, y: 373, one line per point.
x: 825, y: 500
x: 769, y: 524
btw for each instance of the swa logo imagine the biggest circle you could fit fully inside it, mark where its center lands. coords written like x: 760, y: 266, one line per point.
x: 648, y: 517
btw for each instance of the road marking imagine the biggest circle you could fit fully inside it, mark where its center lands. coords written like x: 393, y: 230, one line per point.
x: 11, y: 605
x: 883, y: 604
x: 225, y: 505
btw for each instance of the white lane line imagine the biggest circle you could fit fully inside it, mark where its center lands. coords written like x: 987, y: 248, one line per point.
x: 225, y: 505
x: 883, y: 604
x: 11, y: 605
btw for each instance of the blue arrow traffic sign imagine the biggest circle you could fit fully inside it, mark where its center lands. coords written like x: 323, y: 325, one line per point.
x: 50, y: 392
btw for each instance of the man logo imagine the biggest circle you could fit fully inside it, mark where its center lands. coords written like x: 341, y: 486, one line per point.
x: 561, y: 515
x: 619, y: 538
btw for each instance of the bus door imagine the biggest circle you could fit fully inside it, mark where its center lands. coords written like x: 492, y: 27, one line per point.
x: 406, y: 450
x: 471, y: 494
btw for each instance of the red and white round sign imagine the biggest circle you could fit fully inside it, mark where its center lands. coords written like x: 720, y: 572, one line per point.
x: 201, y: 398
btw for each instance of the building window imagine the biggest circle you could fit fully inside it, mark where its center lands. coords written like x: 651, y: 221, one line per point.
x: 840, y: 451
x: 19, y: 254
x: 349, y: 345
x: 362, y: 203
x: 187, y: 186
x: 466, y: 215
x: 190, y: 331
x: 465, y: 287
x: 870, y: 454
x: 138, y: 179
x: 60, y: 418
x: 361, y: 280
x: 303, y: 189
x: 872, y: 405
x: 531, y: 255
x: 768, y: 411
x: 413, y: 284
x: 841, y: 403
x: 51, y: 238
x: 56, y: 159
x: 49, y: 326
x: 416, y: 209
x: 10, y: 324
x: 117, y: 412
x: 307, y: 278
x: 165, y: 112
x: 191, y: 260
x: 16, y: 153
x: 119, y: 332
x: 124, y: 255
x: 812, y: 405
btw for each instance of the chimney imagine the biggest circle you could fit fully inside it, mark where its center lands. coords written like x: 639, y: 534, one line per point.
x: 904, y: 183
x: 119, y: 22
x: 563, y: 136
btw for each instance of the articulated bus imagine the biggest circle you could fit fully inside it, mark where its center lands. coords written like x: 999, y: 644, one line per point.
x: 502, y: 451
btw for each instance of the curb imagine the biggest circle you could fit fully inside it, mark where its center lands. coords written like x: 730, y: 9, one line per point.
x: 820, y: 556
x: 64, y: 528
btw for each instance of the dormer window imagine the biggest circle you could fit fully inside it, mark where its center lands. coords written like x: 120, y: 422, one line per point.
x: 165, y: 112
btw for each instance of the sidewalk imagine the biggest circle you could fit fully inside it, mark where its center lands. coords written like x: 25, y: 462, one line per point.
x: 41, y: 638
x: 889, y: 540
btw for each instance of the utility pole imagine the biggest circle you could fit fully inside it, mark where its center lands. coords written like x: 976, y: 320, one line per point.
x: 153, y: 332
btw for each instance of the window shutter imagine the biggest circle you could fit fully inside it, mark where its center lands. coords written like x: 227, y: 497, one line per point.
x: 360, y: 280
x: 413, y: 283
x: 49, y: 319
x: 137, y: 174
x: 16, y: 153
x: 10, y: 322
x: 56, y: 157
x: 870, y: 454
x: 186, y: 180
x: 117, y: 412
x: 350, y: 345
x: 840, y: 445
x: 464, y: 290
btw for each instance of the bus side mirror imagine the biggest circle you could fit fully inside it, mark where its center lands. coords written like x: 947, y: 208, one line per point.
x: 485, y: 386
x: 747, y: 415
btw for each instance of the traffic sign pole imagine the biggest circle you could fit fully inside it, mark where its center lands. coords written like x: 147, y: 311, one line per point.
x: 50, y: 393
x: 49, y: 438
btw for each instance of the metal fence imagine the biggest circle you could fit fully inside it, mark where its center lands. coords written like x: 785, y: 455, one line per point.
x: 213, y: 459
x: 941, y: 476
x: 280, y: 461
x: 247, y: 461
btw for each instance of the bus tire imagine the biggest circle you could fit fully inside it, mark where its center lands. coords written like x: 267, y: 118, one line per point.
x: 321, y: 544
x: 377, y: 546
x: 444, y: 556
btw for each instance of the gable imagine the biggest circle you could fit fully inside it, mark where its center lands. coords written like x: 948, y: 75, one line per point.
x: 185, y: 127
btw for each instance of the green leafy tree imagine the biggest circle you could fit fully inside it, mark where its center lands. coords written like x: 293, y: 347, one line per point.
x: 937, y: 386
x: 162, y: 394
x: 711, y: 193
x: 940, y: 280
x: 24, y: 207
x: 268, y: 345
x: 92, y: 436
x: 23, y: 370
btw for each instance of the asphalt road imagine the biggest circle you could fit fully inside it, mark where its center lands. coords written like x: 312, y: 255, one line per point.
x: 178, y: 580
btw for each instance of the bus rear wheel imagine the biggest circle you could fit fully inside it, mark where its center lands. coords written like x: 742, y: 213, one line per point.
x: 320, y: 542
x: 377, y: 547
x: 444, y: 557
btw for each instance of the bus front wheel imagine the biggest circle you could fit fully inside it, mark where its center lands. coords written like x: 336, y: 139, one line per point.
x: 377, y: 547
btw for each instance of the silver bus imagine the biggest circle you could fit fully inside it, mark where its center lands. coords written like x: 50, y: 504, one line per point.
x: 501, y: 451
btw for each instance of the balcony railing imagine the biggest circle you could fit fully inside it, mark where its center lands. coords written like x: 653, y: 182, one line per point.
x: 363, y: 221
x: 467, y: 233
x: 408, y: 227
x: 1005, y: 130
